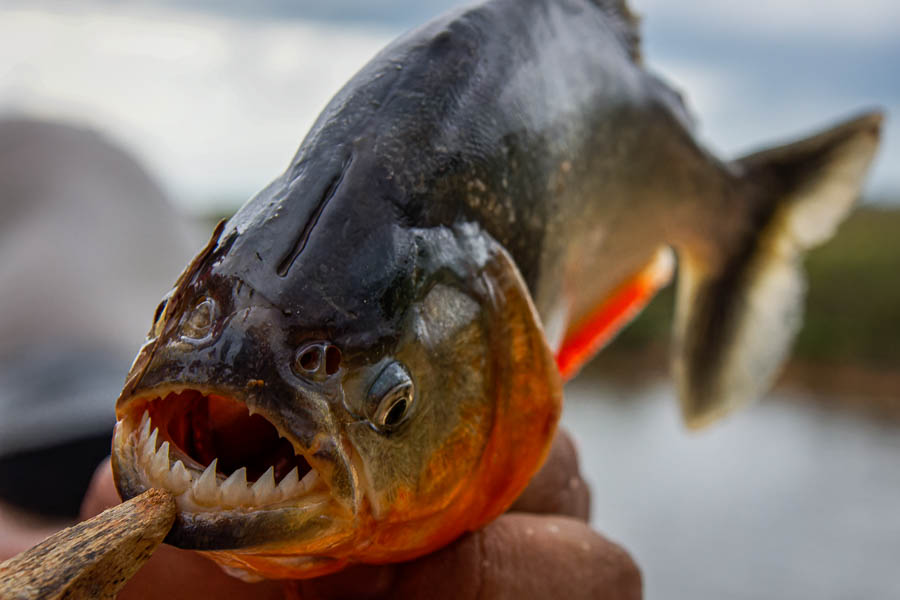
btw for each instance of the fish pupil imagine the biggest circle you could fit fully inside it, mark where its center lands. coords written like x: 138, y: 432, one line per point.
x: 396, y: 413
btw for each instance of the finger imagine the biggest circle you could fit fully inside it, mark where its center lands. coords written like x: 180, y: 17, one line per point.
x: 518, y: 556
x: 526, y: 556
x: 171, y: 573
x: 359, y: 582
x: 558, y: 487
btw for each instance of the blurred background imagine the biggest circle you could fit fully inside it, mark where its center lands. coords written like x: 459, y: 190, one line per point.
x: 795, y: 497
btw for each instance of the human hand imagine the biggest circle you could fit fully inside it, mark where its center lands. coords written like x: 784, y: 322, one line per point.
x: 541, y: 548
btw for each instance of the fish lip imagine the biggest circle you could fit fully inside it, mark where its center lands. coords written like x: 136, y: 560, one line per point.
x: 217, y: 526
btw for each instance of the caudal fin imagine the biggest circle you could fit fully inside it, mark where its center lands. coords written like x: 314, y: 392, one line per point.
x: 734, y: 323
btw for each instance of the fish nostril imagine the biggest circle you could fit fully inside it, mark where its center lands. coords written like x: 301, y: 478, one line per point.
x: 319, y: 360
x: 309, y: 359
x: 332, y: 360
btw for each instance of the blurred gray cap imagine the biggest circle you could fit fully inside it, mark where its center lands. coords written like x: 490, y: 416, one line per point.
x: 89, y: 245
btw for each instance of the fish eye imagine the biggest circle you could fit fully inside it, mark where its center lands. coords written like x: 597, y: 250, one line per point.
x: 200, y: 321
x: 390, y: 398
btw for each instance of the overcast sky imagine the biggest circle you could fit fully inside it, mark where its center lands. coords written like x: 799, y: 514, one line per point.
x: 215, y: 96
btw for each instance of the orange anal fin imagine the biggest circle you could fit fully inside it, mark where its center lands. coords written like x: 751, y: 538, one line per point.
x: 588, y: 337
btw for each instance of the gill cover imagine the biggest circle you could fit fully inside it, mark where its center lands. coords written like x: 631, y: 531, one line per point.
x: 489, y: 397
x: 734, y: 322
x: 526, y: 385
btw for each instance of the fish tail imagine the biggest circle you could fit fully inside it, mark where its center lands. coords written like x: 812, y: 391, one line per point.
x: 737, y: 315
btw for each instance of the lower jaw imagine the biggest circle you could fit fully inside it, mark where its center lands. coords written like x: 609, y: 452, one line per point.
x: 276, y: 532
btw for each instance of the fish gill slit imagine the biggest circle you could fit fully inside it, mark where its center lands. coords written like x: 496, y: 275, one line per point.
x: 302, y: 239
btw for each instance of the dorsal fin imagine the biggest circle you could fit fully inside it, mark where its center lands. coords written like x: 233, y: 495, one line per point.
x: 628, y: 24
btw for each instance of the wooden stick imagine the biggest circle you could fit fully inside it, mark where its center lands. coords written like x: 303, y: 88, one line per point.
x: 94, y: 558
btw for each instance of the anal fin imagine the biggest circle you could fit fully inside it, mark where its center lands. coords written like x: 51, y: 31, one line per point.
x: 587, y: 337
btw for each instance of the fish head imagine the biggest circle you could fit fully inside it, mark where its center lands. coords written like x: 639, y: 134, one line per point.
x: 299, y: 439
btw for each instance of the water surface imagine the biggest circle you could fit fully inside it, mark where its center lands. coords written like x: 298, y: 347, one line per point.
x: 786, y: 499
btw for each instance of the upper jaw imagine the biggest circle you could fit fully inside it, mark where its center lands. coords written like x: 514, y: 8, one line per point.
x: 276, y: 503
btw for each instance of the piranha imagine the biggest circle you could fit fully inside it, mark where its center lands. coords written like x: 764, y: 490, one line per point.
x: 366, y: 361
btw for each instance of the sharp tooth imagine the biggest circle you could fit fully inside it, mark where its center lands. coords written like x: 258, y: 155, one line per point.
x: 264, y: 491
x: 144, y: 427
x: 290, y: 486
x: 234, y: 489
x: 148, y: 450
x: 151, y: 441
x: 206, y: 488
x: 159, y: 466
x: 179, y: 478
x: 309, y: 480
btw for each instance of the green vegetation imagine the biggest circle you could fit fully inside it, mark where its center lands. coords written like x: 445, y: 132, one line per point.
x: 853, y: 309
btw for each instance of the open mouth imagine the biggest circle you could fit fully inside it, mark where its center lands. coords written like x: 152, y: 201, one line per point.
x: 214, y: 454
